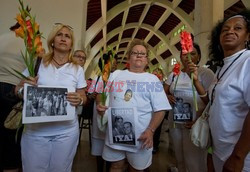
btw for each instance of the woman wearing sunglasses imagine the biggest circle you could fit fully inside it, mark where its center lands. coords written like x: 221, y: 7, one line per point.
x: 52, y: 146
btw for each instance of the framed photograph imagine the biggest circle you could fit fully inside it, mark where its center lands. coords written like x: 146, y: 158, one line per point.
x: 122, y: 128
x: 46, y: 104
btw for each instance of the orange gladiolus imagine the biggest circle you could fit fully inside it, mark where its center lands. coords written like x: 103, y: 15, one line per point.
x: 106, y: 72
x: 19, y: 32
x: 20, y: 20
x: 38, y: 45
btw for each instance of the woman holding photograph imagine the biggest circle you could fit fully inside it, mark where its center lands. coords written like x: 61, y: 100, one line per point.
x: 149, y: 104
x: 51, y: 146
x: 189, y: 157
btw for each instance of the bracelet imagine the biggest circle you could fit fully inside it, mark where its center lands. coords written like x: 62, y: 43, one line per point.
x: 204, y: 95
x: 20, y: 92
x: 151, y: 129
x: 81, y: 103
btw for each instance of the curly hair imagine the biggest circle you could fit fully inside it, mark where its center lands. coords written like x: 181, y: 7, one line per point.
x: 215, y: 49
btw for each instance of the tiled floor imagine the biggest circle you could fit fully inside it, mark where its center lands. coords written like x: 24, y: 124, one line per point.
x: 85, y: 162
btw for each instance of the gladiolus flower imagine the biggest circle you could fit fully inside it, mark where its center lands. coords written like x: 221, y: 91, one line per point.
x: 177, y: 69
x: 20, y: 20
x: 19, y: 32
x: 187, y: 48
x: 28, y: 29
x: 186, y: 42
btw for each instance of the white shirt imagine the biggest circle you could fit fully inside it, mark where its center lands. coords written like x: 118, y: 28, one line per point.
x: 231, y: 104
x: 147, y: 96
x: 184, y: 90
x: 68, y: 75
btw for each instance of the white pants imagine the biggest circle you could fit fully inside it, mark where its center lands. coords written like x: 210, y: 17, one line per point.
x: 218, y: 164
x: 49, y: 153
x: 139, y: 160
x: 189, y: 157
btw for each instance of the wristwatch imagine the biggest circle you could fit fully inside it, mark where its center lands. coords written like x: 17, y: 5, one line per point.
x: 20, y: 92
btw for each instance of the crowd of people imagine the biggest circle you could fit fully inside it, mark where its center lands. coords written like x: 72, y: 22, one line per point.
x: 134, y: 110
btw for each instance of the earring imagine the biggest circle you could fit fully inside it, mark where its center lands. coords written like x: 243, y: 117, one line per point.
x: 52, y: 45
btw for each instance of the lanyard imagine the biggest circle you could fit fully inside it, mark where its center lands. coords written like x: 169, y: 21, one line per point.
x: 219, y: 77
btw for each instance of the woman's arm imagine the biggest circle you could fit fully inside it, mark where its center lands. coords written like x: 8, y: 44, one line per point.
x: 77, y: 98
x: 242, y: 148
x: 147, y: 136
x: 192, y: 68
x: 170, y: 97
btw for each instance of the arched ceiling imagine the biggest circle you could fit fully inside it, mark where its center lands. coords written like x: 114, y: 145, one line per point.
x: 114, y: 24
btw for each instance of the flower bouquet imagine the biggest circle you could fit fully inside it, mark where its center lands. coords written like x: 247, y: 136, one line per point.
x: 187, y: 48
x: 27, y: 29
x: 105, y: 73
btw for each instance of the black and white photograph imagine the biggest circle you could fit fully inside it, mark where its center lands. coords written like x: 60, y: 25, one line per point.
x: 121, y: 126
x: 182, y: 110
x: 46, y: 104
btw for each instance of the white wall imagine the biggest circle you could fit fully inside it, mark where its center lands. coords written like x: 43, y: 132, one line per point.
x: 47, y: 13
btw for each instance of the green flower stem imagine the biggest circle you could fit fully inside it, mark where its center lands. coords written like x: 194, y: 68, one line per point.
x: 103, y: 101
x: 192, y: 81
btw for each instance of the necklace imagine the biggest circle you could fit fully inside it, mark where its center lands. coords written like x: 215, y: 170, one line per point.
x: 59, y: 63
x: 219, y: 77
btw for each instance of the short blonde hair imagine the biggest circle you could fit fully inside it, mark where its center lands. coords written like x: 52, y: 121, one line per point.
x: 48, y: 57
x: 137, y: 42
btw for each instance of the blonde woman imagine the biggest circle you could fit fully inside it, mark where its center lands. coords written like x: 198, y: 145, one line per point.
x: 52, y: 146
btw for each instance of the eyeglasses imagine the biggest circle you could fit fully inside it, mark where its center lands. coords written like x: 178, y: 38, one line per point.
x: 79, y: 56
x: 138, y: 54
x: 68, y: 26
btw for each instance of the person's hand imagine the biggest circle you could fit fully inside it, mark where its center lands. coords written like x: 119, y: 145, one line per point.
x: 192, y: 68
x: 92, y: 96
x: 74, y: 98
x: 189, y: 124
x: 233, y: 163
x: 147, y: 139
x: 171, y: 99
x: 101, y: 109
x: 30, y: 81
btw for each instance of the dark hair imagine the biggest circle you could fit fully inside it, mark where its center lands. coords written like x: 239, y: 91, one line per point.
x: 127, y: 122
x: 197, y: 47
x: 215, y: 49
x: 117, y: 118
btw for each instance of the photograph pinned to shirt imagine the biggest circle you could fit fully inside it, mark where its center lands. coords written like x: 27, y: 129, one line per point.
x: 182, y: 110
x: 122, y: 128
x: 46, y: 104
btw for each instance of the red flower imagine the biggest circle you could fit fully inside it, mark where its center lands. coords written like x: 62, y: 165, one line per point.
x: 177, y: 69
x: 127, y: 65
x: 186, y: 42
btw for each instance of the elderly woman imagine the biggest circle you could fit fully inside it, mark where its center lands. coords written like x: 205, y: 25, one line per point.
x: 80, y: 57
x: 148, y: 98
x: 52, y: 146
x: 230, y: 94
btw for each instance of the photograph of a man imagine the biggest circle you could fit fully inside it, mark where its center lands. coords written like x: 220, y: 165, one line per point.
x: 129, y: 135
x: 187, y: 112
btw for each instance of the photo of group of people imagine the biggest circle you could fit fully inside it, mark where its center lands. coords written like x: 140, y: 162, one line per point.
x: 182, y: 110
x: 43, y: 101
x: 123, y: 131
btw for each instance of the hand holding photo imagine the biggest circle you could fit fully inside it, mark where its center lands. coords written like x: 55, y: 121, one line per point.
x: 46, y: 104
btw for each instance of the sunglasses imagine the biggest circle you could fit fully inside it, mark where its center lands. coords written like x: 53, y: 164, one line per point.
x: 68, y: 26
